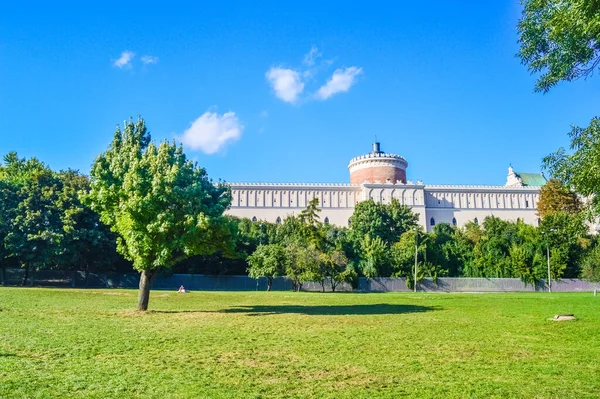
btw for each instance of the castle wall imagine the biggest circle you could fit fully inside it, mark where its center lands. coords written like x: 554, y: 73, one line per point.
x: 445, y: 204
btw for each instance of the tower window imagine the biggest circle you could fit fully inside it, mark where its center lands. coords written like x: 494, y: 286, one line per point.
x: 278, y: 221
x: 254, y: 218
x: 432, y: 222
x: 526, y: 204
x: 453, y: 221
x: 326, y: 221
x: 476, y: 221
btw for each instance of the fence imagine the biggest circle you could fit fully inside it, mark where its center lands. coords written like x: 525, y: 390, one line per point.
x: 197, y: 282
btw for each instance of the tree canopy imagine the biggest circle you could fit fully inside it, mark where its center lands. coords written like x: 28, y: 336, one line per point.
x: 559, y: 39
x: 163, y: 206
x: 581, y: 168
x: 556, y: 197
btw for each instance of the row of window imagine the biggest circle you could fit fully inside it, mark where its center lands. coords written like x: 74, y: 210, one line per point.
x: 432, y: 221
x: 278, y: 220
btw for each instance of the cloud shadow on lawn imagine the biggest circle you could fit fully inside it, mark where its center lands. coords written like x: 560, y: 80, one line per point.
x: 339, y: 310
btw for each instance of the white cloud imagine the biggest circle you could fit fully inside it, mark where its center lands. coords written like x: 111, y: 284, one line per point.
x: 311, y: 56
x: 149, y: 59
x: 286, y: 83
x: 124, y: 60
x: 211, y: 132
x: 264, y: 114
x: 341, y: 81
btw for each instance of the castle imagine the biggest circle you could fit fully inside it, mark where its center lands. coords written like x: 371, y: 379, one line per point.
x: 382, y: 176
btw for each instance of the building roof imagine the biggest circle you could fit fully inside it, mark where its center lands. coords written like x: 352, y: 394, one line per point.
x: 532, y: 179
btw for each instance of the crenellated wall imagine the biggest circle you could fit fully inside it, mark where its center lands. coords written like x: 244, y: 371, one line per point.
x: 445, y: 204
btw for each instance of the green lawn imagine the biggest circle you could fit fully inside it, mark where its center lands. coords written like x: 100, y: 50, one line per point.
x: 89, y: 343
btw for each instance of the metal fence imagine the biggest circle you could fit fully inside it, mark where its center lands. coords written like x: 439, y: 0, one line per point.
x: 198, y: 282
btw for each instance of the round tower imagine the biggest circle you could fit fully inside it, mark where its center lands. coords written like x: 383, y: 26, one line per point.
x: 377, y: 166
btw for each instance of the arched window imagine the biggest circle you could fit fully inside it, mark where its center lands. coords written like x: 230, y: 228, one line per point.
x: 254, y: 218
x: 476, y: 221
x: 278, y: 221
x: 432, y: 222
x: 538, y: 221
x: 326, y: 221
x: 453, y: 221
x: 349, y: 222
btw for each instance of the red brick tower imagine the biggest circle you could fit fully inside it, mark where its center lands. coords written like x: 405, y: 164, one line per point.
x: 377, y: 167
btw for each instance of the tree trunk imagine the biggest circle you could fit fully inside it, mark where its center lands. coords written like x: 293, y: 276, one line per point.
x: 73, y: 278
x: 25, y: 276
x: 3, y: 276
x: 87, y: 272
x: 323, y: 285
x: 269, y: 283
x: 145, y: 283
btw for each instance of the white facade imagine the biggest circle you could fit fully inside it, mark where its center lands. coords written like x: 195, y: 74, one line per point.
x: 444, y: 204
x: 380, y: 176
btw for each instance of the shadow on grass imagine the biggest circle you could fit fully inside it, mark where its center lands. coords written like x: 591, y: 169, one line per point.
x: 7, y: 355
x: 375, y: 309
x: 340, y: 310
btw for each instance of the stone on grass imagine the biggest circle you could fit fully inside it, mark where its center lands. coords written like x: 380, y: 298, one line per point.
x: 563, y: 317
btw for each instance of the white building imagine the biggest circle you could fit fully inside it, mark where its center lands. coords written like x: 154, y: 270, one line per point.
x: 382, y: 176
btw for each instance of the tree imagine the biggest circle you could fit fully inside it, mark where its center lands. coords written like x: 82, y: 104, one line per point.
x: 87, y: 244
x: 385, y: 221
x: 6, y: 208
x: 301, y: 263
x: 567, y: 236
x: 581, y: 169
x: 555, y: 197
x: 162, y: 206
x: 374, y: 258
x: 591, y: 265
x: 560, y: 39
x: 338, y: 269
x: 267, y: 261
x: 35, y: 227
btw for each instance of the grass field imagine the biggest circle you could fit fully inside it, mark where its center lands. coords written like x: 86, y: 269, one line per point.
x: 89, y: 343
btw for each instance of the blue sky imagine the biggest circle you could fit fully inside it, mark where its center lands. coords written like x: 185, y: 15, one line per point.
x: 437, y: 82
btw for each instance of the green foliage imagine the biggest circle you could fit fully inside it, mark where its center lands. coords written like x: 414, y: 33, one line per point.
x: 337, y: 269
x: 163, y: 206
x: 567, y: 236
x: 267, y: 261
x: 87, y: 243
x: 559, y: 39
x: 303, y: 264
x: 591, y: 265
x: 375, y: 258
x: 580, y: 169
x: 35, y: 228
x: 384, y: 221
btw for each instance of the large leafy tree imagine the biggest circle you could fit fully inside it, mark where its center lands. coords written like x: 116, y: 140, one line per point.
x: 385, y: 221
x: 560, y: 39
x: 581, y: 168
x: 267, y: 261
x: 6, y: 208
x: 87, y: 244
x: 35, y: 227
x: 555, y: 197
x: 163, y: 206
